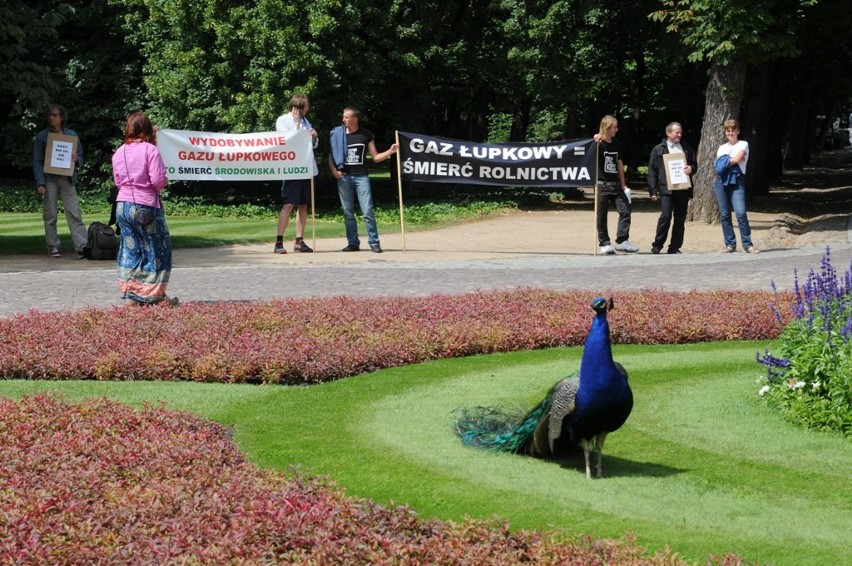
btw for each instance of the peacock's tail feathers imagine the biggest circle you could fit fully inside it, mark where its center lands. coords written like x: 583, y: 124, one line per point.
x: 499, y: 429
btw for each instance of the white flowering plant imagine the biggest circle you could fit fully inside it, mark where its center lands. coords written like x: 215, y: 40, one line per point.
x: 809, y: 377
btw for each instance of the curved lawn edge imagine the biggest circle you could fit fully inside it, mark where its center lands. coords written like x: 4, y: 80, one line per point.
x: 387, y: 436
x: 664, y: 482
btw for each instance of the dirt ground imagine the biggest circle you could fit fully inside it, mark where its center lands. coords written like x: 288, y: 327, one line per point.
x: 809, y: 210
x: 812, y: 207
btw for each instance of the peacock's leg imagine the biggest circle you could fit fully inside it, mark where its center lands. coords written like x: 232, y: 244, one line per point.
x: 587, y: 447
x: 599, y: 449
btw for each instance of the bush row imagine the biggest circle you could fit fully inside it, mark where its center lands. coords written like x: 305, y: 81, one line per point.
x: 313, y: 340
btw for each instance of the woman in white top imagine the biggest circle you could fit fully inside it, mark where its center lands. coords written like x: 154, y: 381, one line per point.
x: 731, y: 161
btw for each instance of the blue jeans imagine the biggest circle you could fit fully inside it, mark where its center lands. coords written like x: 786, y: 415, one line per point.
x: 733, y: 197
x: 349, y: 187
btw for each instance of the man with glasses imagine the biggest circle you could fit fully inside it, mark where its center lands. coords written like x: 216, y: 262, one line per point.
x: 53, y: 187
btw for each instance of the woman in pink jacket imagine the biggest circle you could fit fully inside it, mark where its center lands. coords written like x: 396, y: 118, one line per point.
x: 145, y: 248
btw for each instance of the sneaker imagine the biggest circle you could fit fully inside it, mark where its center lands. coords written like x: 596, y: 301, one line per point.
x: 751, y: 250
x: 607, y: 250
x: 81, y: 255
x: 279, y: 248
x: 376, y: 248
x: 626, y: 246
x: 351, y: 248
x: 301, y: 247
x: 54, y: 252
x: 729, y: 249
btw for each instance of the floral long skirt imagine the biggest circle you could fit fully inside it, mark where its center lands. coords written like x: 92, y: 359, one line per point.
x: 144, y: 254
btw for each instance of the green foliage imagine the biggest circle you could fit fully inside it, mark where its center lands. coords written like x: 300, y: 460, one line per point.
x: 70, y: 53
x: 498, y: 69
x: 499, y: 127
x: 809, y: 376
x: 724, y: 30
x: 816, y: 388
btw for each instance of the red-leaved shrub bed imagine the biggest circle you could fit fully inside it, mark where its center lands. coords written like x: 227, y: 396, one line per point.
x: 99, y: 483
x: 312, y: 340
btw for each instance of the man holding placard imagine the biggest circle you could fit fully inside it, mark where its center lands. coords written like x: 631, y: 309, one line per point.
x: 56, y: 152
x: 670, y: 172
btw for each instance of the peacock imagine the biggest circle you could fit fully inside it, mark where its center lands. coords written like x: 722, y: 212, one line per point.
x: 580, y: 409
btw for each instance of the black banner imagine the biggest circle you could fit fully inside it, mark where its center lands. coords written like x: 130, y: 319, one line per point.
x: 570, y: 163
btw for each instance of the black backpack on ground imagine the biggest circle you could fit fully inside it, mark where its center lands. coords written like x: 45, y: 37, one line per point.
x: 102, y: 244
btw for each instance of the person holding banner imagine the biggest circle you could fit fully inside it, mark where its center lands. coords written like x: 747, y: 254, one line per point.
x: 347, y: 161
x: 672, y: 192
x: 54, y: 185
x: 612, y: 188
x: 295, y: 192
x: 145, y: 247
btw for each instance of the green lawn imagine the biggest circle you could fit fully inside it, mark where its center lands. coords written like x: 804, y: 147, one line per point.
x: 701, y: 465
x: 23, y: 233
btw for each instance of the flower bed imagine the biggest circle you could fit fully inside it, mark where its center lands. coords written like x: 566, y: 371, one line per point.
x: 809, y: 380
x: 301, y: 341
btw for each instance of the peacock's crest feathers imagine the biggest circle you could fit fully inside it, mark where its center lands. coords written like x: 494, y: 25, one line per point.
x: 601, y: 305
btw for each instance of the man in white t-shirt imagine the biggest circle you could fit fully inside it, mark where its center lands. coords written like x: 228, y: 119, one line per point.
x: 296, y: 193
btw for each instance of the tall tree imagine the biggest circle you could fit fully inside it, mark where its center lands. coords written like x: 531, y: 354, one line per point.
x: 71, y: 53
x: 820, y: 80
x: 29, y: 76
x: 729, y: 34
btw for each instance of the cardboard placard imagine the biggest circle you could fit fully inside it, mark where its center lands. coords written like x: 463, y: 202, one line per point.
x: 58, y: 154
x: 676, y: 177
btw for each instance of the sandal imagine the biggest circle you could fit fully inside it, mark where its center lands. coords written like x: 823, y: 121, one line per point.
x: 751, y: 250
x: 728, y: 250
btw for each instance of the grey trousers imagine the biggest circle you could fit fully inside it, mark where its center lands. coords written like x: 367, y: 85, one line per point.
x: 56, y: 187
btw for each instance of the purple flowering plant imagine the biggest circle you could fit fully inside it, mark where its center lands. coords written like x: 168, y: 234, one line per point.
x: 809, y: 377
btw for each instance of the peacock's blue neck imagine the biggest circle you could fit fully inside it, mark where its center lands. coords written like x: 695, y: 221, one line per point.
x: 597, y: 367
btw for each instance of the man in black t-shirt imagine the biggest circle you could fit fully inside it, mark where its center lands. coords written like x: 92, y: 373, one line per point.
x: 347, y: 161
x: 612, y: 189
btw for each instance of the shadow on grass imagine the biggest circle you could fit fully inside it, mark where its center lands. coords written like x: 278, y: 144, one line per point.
x: 615, y: 467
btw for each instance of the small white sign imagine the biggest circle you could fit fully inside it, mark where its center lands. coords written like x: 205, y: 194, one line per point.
x: 60, y: 157
x: 59, y: 154
x: 675, y: 166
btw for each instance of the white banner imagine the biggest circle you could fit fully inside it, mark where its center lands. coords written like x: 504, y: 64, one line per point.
x: 264, y: 156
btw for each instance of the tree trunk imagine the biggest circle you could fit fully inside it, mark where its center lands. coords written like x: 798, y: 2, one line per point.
x: 798, y: 146
x: 823, y: 141
x: 757, y: 115
x: 520, y: 121
x: 638, y: 103
x: 721, y: 101
x: 779, y: 92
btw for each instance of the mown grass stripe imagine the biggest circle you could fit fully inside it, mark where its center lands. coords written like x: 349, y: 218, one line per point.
x: 701, y: 465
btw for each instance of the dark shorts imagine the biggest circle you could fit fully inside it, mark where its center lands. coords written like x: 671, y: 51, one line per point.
x: 296, y: 191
